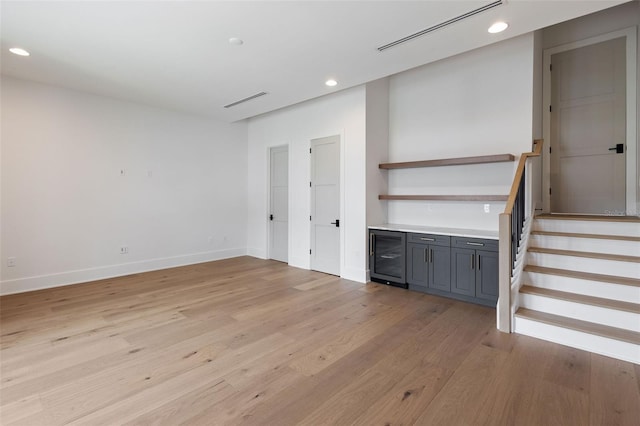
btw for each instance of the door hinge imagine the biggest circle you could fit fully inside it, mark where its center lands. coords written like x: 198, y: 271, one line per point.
x: 549, y: 191
x: 309, y: 217
x: 550, y: 108
x: 309, y: 251
x: 309, y: 184
x: 549, y: 150
x: 550, y: 67
x: 309, y: 150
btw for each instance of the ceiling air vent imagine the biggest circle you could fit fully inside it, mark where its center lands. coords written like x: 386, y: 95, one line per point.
x: 257, y: 95
x: 442, y: 25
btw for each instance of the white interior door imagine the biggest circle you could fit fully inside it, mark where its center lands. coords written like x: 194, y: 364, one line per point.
x: 279, y: 208
x: 325, y: 205
x: 588, y: 124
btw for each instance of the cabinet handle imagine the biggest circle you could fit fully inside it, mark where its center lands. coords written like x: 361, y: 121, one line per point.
x: 426, y: 255
x: 473, y: 259
x: 469, y: 243
x: 371, y: 238
x: 427, y: 239
x: 479, y: 262
x: 431, y: 255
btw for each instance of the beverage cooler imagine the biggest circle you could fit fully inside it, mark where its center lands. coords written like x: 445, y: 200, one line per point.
x: 387, y: 257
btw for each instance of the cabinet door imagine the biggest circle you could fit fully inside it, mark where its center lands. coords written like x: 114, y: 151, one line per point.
x: 487, y: 275
x: 440, y: 268
x: 463, y: 273
x: 416, y: 264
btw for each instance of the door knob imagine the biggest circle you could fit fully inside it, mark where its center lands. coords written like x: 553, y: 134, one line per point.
x: 336, y: 223
x: 619, y: 148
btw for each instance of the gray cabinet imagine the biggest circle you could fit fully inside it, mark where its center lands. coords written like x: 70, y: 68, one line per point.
x: 456, y: 267
x: 474, y: 270
x: 429, y: 262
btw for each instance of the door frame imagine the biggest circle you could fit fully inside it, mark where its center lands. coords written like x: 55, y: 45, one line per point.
x: 268, y: 204
x: 343, y: 225
x: 630, y: 35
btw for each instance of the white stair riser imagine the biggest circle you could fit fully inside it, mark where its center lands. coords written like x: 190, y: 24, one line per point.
x: 596, y: 314
x: 595, y: 245
x: 576, y: 339
x: 585, y: 264
x: 625, y: 293
x: 588, y: 227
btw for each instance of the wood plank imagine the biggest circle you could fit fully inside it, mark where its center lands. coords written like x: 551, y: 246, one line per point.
x: 443, y: 197
x: 615, y: 398
x: 584, y: 275
x: 581, y: 298
x: 598, y: 218
x: 481, y: 159
x: 461, y: 399
x: 517, y: 177
x: 593, y: 236
x: 584, y: 326
x: 587, y: 254
x: 165, y: 349
x: 408, y: 398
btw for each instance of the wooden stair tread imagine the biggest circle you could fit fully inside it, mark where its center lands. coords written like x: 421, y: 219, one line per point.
x: 581, y: 298
x: 632, y: 219
x: 594, y: 236
x: 444, y: 197
x: 591, y: 255
x: 578, y: 325
x: 613, y: 279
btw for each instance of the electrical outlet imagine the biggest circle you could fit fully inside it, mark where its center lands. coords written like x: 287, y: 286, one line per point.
x: 123, y: 172
x: 487, y: 208
x: 124, y: 250
x: 11, y: 262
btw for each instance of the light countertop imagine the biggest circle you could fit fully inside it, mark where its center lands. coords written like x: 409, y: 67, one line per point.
x: 456, y: 232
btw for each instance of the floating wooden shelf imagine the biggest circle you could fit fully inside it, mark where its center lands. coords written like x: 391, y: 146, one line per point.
x: 500, y: 158
x: 445, y: 197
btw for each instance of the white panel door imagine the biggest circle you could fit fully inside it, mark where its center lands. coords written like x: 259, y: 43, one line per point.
x: 588, y: 121
x: 325, y: 205
x: 279, y: 209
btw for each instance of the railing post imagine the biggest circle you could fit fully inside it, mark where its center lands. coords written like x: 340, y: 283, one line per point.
x: 504, y: 280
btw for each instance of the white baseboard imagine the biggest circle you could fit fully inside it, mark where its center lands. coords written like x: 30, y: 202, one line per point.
x: 256, y: 252
x: 357, y: 275
x: 21, y: 285
x: 576, y: 339
x: 300, y: 262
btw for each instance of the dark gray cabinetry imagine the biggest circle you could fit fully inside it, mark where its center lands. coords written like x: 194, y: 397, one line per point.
x: 429, y: 262
x: 474, y: 269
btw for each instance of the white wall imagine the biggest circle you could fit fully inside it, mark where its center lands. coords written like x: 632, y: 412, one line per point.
x: 476, y: 103
x: 377, y: 122
x: 66, y: 210
x: 342, y: 113
x: 609, y: 20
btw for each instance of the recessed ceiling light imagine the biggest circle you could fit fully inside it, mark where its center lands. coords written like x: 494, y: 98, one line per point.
x: 235, y: 41
x: 331, y: 83
x: 19, y: 51
x: 498, y: 27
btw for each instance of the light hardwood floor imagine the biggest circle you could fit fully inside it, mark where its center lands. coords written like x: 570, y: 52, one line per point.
x: 248, y: 341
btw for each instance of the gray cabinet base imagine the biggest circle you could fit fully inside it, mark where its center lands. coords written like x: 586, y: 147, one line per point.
x: 461, y: 297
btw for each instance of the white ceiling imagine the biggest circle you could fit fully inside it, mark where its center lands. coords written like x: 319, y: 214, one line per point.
x: 176, y: 54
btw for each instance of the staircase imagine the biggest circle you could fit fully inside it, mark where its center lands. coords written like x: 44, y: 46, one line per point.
x: 581, y: 284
